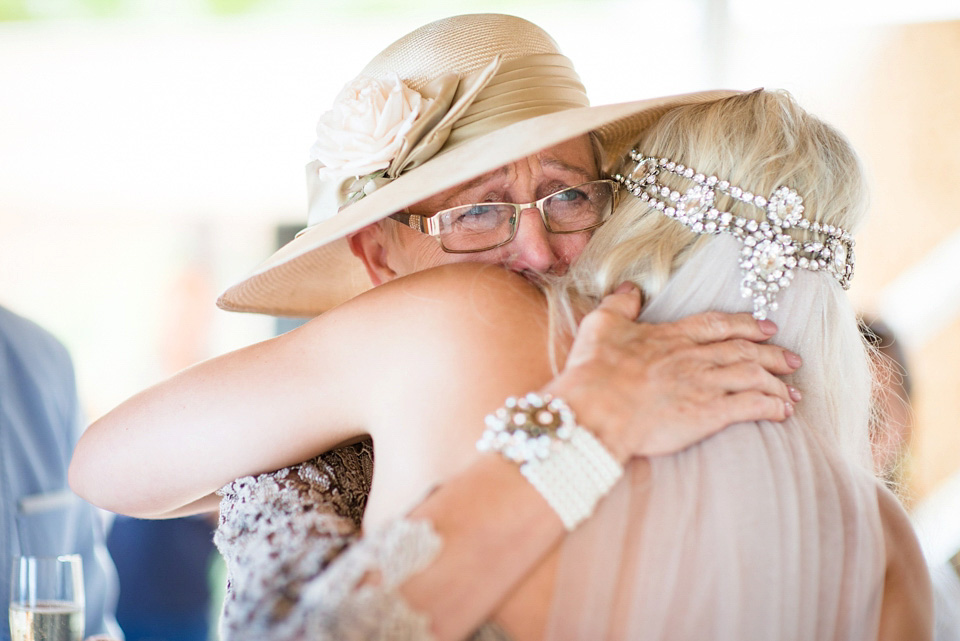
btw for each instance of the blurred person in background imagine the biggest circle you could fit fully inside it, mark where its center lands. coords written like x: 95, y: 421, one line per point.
x: 891, y: 436
x: 164, y: 569
x: 40, y: 421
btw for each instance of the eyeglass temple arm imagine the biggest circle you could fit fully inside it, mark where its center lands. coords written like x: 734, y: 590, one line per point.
x: 413, y: 221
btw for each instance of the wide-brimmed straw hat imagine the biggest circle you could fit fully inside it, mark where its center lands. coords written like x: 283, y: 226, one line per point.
x: 451, y: 101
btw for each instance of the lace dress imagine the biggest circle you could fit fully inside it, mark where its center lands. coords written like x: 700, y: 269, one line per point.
x: 296, y: 563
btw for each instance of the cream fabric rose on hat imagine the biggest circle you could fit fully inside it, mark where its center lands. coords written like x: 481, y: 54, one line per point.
x: 380, y: 128
x: 365, y: 129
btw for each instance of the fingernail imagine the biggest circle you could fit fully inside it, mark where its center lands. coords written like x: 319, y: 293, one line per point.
x: 625, y: 288
x: 788, y: 408
x: 793, y: 360
x: 768, y: 327
x: 795, y: 394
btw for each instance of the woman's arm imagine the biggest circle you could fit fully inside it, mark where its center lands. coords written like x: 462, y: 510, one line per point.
x: 346, y: 373
x: 166, y: 450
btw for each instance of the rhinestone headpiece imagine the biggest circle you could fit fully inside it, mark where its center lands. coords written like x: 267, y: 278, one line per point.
x: 769, y: 254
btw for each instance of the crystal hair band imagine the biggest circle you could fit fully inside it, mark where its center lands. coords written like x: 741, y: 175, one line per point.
x: 769, y: 254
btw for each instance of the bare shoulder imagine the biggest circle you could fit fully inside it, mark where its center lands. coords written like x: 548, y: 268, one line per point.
x: 474, y: 296
x: 448, y: 342
x: 485, y: 290
x: 907, y: 596
x: 449, y: 325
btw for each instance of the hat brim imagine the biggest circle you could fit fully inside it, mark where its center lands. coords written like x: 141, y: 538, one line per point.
x: 316, y: 270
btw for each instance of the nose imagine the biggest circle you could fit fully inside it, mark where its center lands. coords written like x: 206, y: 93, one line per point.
x: 532, y: 248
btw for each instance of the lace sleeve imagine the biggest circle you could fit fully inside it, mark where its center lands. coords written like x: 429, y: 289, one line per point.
x: 280, y: 531
x: 341, y: 606
x: 297, y: 567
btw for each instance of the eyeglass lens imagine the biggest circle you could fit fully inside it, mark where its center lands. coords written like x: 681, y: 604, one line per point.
x: 484, y: 225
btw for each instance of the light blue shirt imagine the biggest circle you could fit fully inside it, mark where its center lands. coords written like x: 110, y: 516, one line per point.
x: 40, y: 421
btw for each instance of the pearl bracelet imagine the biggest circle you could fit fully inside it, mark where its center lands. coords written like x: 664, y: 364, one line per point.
x: 570, y: 468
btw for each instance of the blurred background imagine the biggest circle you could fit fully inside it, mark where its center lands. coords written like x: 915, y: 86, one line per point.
x: 152, y: 152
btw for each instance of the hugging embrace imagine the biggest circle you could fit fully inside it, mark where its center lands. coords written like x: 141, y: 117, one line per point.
x: 639, y: 281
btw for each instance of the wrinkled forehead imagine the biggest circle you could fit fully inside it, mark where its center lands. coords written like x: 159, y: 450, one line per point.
x: 574, y: 161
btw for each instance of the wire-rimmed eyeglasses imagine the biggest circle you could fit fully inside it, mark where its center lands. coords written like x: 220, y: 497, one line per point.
x: 483, y: 226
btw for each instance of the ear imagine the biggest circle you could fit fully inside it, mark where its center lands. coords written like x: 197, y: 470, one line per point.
x: 370, y: 245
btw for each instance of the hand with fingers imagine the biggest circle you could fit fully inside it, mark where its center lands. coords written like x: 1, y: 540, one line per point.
x: 647, y: 389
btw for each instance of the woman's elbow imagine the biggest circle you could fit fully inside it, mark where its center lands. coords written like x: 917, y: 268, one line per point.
x: 88, y: 478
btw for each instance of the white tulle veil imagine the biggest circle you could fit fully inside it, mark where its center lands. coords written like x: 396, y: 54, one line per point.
x: 765, y: 531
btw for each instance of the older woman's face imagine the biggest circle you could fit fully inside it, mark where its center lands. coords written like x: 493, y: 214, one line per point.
x: 533, y: 249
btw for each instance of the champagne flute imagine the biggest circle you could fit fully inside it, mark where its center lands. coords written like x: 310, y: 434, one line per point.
x: 46, y: 598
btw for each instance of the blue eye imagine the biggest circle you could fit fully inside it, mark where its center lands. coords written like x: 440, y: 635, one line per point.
x: 569, y: 195
x: 479, y: 217
x: 479, y: 210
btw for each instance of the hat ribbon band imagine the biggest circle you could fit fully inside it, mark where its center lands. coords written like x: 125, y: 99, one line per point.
x: 522, y: 88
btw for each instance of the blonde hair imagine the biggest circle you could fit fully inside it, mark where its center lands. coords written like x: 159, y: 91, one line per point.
x: 758, y: 141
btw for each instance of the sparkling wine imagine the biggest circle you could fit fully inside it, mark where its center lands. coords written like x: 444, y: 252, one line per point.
x: 46, y: 621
